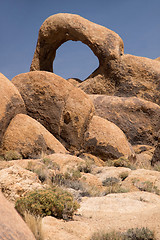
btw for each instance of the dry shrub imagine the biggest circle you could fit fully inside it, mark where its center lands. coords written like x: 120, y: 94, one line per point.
x: 12, y: 155
x: 47, y: 202
x: 131, y: 234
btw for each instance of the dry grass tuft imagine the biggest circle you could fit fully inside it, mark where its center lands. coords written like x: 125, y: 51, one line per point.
x: 35, y: 225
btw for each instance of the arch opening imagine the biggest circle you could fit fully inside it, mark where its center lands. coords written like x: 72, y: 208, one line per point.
x: 74, y: 59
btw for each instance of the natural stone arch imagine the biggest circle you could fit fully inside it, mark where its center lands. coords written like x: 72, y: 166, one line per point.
x: 59, y: 28
x: 118, y: 74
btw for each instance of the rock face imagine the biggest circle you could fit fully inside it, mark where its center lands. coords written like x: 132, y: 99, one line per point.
x: 15, y: 181
x: 62, y: 27
x: 118, y: 74
x: 59, y: 106
x: 156, y: 155
x: 106, y: 140
x: 137, y: 118
x: 11, y: 224
x: 11, y: 103
x: 129, y: 76
x: 28, y: 137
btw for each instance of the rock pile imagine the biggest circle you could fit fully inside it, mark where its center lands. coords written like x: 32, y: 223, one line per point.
x: 113, y: 117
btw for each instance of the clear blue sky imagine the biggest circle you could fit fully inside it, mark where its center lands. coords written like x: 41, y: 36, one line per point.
x: 136, y: 21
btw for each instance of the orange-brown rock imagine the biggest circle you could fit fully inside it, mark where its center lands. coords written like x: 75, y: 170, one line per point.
x: 118, y: 73
x: 156, y: 155
x: 62, y: 27
x: 11, y: 224
x: 59, y: 106
x: 28, y: 137
x: 126, y: 77
x: 106, y: 140
x: 137, y: 118
x: 11, y: 103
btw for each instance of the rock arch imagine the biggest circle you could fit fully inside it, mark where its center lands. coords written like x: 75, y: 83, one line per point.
x: 62, y: 27
x: 118, y: 74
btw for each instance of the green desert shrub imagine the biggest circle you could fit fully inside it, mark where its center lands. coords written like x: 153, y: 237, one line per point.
x: 146, y: 186
x: 50, y: 164
x: 139, y: 234
x: 48, y: 202
x: 122, y: 162
x: 69, y: 176
x: 12, y: 155
x: 112, y: 185
x: 110, y: 181
x: 131, y: 234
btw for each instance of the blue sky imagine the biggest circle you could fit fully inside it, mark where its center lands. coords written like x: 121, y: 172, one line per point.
x: 136, y: 21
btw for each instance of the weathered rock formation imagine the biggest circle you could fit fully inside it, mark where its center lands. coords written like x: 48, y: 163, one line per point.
x: 38, y: 106
x: 137, y: 118
x: 62, y: 27
x: 29, y: 138
x: 106, y: 140
x: 126, y: 77
x: 117, y: 74
x: 11, y: 224
x: 156, y: 155
x: 15, y: 181
x: 59, y: 106
x: 11, y: 103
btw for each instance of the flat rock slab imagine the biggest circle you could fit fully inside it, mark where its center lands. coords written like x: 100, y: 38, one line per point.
x: 112, y: 212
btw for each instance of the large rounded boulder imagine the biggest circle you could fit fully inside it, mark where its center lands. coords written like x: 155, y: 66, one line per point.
x: 59, y: 106
x: 105, y: 140
x: 11, y: 103
x: 137, y: 118
x: 29, y: 138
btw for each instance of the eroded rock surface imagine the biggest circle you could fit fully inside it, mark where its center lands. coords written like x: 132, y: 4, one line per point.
x: 15, y: 181
x: 106, y: 140
x: 118, y: 73
x: 29, y: 138
x: 62, y: 27
x: 129, y: 76
x: 11, y: 103
x: 59, y: 106
x: 11, y: 224
x: 137, y: 118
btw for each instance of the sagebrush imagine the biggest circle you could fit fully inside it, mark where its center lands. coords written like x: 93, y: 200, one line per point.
x: 48, y: 202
